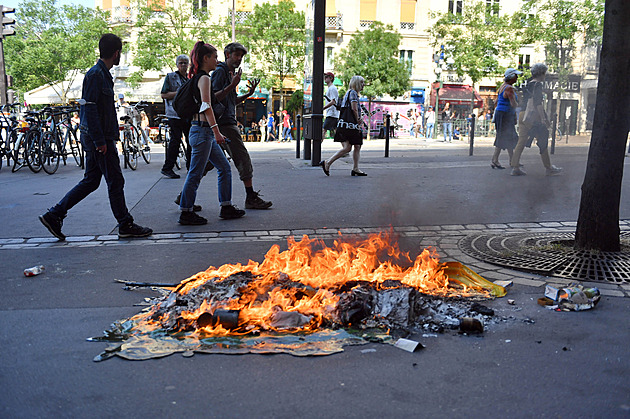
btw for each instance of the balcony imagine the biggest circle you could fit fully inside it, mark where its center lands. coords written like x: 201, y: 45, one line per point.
x: 407, y: 26
x: 365, y: 24
x: 240, y: 16
x: 334, y: 23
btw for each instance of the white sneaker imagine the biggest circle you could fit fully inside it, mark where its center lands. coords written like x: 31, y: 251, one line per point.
x: 516, y: 171
x: 553, y: 170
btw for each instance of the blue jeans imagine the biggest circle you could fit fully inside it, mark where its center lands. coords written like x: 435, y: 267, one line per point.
x: 448, y: 126
x: 205, y: 148
x: 98, y: 166
x: 286, y: 134
x: 429, y: 130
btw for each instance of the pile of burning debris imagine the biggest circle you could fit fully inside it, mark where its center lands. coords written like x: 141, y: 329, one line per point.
x: 362, y: 285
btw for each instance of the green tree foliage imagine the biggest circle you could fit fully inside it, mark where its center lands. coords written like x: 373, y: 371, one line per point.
x: 53, y: 44
x: 166, y: 31
x: 373, y: 54
x: 476, y: 41
x: 296, y: 102
x: 558, y: 24
x: 274, y: 35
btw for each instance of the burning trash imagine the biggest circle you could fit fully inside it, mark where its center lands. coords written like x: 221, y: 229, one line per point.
x: 308, y: 300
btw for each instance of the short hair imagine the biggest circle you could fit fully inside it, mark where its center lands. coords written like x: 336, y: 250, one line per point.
x: 538, y: 69
x: 354, y: 82
x: 108, y: 45
x: 181, y: 57
x: 233, y: 47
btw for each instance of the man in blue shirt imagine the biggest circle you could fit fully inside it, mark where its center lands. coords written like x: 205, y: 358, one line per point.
x: 225, y: 80
x: 99, y: 133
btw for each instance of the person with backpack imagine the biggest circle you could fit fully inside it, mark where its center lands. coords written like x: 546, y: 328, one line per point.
x: 179, y: 126
x: 533, y: 123
x: 225, y: 80
x: 205, y: 139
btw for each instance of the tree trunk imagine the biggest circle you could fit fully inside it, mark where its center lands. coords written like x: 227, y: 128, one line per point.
x: 598, y: 219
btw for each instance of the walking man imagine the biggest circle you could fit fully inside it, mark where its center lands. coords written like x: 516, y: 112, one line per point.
x: 330, y: 108
x: 99, y: 129
x: 179, y: 127
x: 225, y: 80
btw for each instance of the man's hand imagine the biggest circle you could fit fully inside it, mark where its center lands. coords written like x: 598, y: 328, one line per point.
x: 252, y: 84
x: 236, y: 77
x: 102, y: 149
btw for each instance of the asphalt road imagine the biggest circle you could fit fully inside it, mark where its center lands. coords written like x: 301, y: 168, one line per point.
x: 537, y: 363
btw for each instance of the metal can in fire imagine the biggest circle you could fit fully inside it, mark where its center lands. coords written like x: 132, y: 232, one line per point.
x: 35, y: 270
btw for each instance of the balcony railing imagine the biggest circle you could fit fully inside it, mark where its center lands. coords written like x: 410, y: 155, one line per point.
x: 407, y: 26
x: 334, y: 22
x: 365, y: 23
x: 240, y: 16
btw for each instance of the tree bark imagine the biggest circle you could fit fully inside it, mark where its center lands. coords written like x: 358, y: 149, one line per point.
x: 598, y: 219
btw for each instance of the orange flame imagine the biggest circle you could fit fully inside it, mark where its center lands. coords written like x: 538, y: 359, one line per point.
x: 313, y: 272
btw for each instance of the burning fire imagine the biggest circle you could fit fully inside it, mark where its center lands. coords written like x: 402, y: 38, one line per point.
x: 303, y: 288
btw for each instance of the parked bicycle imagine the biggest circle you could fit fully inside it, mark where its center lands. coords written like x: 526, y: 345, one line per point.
x: 58, y: 137
x: 164, y: 136
x: 134, y: 140
x: 9, y: 125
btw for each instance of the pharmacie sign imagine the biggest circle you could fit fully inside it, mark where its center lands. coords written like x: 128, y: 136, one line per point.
x: 552, y: 84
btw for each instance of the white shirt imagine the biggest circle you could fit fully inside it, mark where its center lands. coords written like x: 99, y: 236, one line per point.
x: 332, y: 94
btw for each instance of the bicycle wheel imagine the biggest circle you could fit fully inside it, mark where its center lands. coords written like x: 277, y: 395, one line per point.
x: 19, y: 153
x: 181, y: 156
x: 32, y: 155
x: 50, y: 152
x: 143, y: 145
x: 130, y: 151
x: 75, y: 147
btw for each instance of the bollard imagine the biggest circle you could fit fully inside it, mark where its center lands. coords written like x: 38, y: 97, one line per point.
x: 472, y: 134
x: 554, y: 126
x: 387, y: 134
x: 298, y: 135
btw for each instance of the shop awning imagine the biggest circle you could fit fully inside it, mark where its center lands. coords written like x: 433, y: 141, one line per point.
x: 456, y: 94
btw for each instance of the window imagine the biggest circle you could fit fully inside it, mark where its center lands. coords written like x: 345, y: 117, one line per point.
x: 523, y: 61
x: 455, y: 6
x: 406, y: 56
x: 329, y: 57
x: 407, y: 14
x: 492, y: 7
x: 367, y: 14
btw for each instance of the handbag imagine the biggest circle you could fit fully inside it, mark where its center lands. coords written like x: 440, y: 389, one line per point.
x: 348, y: 128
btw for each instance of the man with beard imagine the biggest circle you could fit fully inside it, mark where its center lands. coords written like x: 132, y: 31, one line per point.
x: 225, y: 80
x: 99, y: 133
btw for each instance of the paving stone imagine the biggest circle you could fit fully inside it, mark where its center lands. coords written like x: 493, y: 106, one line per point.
x: 412, y: 234
x: 625, y: 286
x: 612, y: 293
x: 166, y: 236
x: 257, y: 233
x: 231, y: 234
x: 11, y: 241
x: 43, y: 240
x: 200, y: 235
x: 551, y: 224
x: 70, y: 239
x: 20, y: 246
x: 523, y: 225
x: 475, y: 226
x: 497, y: 226
x: 451, y: 227
x: 601, y: 285
x: 569, y: 223
x: 280, y: 232
x: 528, y: 282
x: 406, y: 228
x: 107, y: 237
x: 451, y: 240
x: 349, y: 231
x: 429, y: 228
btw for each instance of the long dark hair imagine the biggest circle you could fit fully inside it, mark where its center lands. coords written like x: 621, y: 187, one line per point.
x: 200, y: 50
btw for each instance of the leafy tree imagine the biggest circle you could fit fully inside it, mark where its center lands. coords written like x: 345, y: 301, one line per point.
x: 274, y: 35
x: 476, y: 40
x: 373, y: 54
x: 598, y: 219
x: 166, y: 31
x: 53, y: 44
x: 296, y: 102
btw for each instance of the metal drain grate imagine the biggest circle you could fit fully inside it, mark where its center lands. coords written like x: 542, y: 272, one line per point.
x: 544, y: 253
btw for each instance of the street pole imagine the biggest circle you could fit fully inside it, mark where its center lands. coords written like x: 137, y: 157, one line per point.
x: 387, y: 134
x: 233, y: 21
x: 437, y: 102
x: 298, y: 135
x: 319, y: 32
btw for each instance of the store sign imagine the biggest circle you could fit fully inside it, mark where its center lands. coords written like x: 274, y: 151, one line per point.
x: 571, y: 85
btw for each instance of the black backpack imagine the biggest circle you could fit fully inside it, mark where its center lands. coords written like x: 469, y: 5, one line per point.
x: 187, y: 100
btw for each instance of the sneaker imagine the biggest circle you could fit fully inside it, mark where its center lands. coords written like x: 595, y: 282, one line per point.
x: 254, y: 201
x: 196, y: 208
x: 189, y: 218
x: 131, y: 230
x: 169, y: 174
x: 229, y: 212
x: 553, y: 170
x: 516, y: 171
x: 53, y: 224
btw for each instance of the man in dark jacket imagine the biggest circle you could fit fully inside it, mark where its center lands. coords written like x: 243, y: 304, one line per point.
x: 99, y: 133
x: 225, y: 80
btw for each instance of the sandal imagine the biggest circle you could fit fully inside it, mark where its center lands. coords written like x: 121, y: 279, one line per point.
x: 496, y: 165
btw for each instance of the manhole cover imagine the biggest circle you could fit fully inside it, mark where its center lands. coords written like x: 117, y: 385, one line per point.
x: 549, y: 254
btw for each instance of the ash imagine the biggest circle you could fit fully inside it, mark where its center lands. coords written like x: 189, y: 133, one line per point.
x: 389, y: 305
